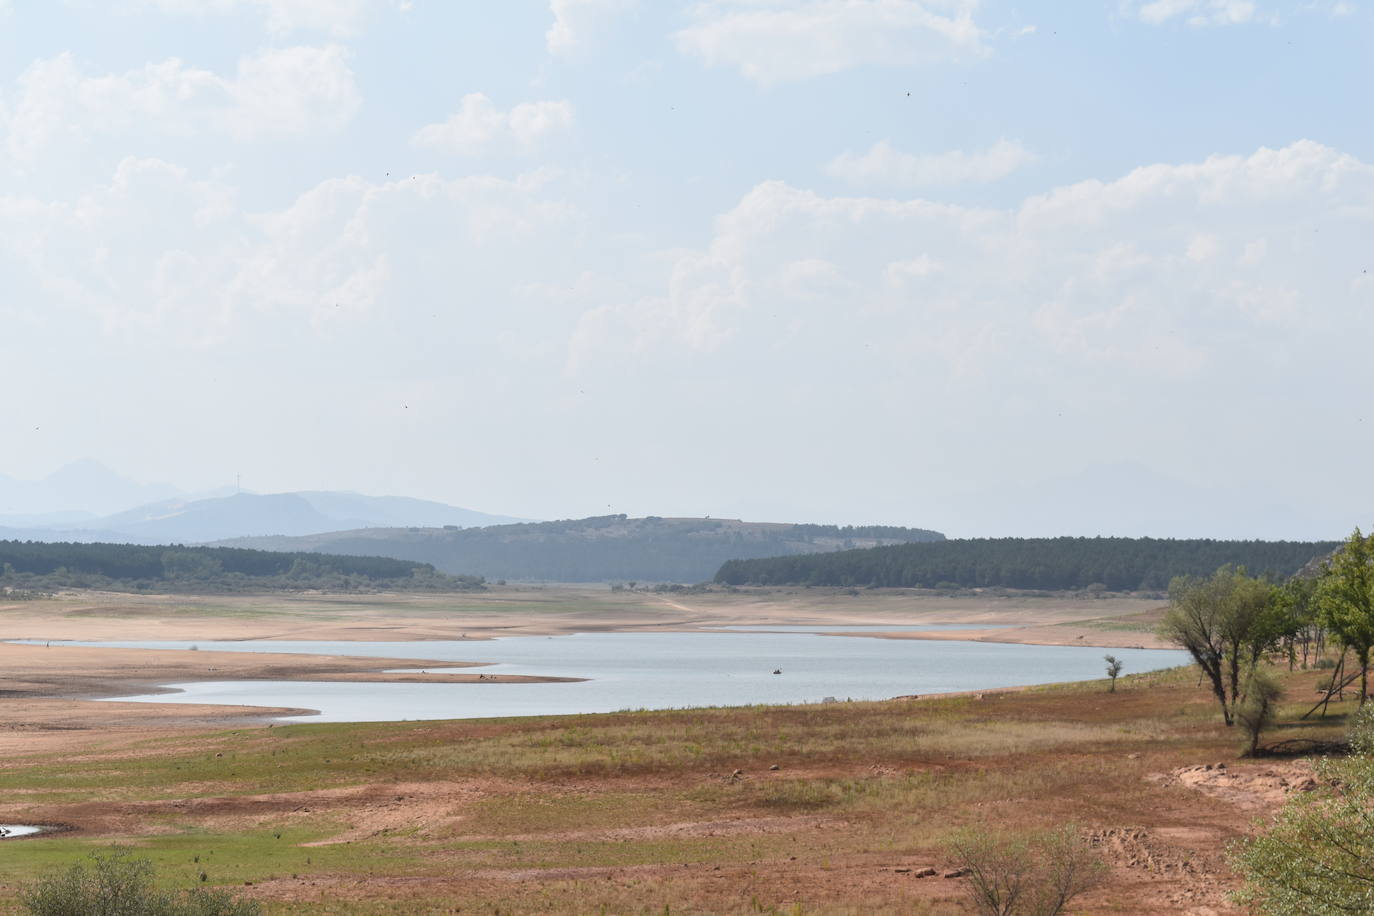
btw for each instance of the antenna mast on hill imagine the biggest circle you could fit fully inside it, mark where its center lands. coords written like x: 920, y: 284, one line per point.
x: 238, y: 488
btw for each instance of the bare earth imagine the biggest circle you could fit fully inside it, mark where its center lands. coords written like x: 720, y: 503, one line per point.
x: 1158, y: 817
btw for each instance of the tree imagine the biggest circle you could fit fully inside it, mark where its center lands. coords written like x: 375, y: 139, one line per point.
x: 1114, y: 666
x: 1296, y: 601
x: 1226, y: 623
x: 1345, y: 599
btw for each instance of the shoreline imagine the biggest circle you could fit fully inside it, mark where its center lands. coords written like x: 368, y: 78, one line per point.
x: 52, y: 689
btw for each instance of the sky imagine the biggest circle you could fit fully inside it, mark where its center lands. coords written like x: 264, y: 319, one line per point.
x: 1029, y: 268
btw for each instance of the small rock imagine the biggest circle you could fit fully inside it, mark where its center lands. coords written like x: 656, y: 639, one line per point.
x: 775, y: 767
x: 902, y: 871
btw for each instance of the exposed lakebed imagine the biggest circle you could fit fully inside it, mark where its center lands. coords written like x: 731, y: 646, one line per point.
x: 655, y: 670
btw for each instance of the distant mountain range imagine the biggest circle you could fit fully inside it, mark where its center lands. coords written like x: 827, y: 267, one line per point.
x: 86, y: 502
x: 606, y: 548
x: 59, y: 508
x: 177, y: 521
x: 73, y: 494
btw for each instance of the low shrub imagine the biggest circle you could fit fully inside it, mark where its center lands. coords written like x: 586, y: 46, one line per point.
x: 116, y: 885
x: 1034, y: 877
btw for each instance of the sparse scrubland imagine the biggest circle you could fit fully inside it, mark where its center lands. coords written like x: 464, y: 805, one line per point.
x: 639, y: 811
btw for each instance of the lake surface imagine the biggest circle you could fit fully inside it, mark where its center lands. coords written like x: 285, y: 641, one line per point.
x: 653, y: 671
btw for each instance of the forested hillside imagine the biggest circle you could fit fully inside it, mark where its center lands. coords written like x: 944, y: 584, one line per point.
x: 1120, y: 564
x: 31, y: 565
x: 606, y: 548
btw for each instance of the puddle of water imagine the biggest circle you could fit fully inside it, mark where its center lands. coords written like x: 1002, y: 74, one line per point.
x: 10, y: 831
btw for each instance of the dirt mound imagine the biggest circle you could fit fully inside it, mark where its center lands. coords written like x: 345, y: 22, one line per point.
x: 1258, y: 788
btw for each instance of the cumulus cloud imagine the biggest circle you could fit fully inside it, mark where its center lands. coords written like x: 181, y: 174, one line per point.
x: 886, y: 166
x: 576, y: 22
x: 777, y: 41
x: 1202, y: 12
x: 1172, y: 272
x: 478, y: 126
x: 279, y: 92
x: 340, y: 17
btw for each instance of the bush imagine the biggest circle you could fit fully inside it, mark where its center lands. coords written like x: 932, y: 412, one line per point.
x: 1361, y: 731
x: 1038, y: 877
x: 1317, y: 855
x: 116, y: 885
x: 1256, y: 710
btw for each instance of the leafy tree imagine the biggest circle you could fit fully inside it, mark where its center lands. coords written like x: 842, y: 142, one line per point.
x: 1114, y: 666
x: 1226, y: 622
x: 1296, y: 602
x: 1345, y: 597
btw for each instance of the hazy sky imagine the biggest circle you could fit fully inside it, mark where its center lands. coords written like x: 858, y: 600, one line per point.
x: 1031, y: 268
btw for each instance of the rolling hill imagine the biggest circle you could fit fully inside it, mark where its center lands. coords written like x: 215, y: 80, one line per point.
x: 601, y: 549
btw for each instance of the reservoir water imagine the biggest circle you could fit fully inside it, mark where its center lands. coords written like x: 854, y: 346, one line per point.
x: 653, y: 671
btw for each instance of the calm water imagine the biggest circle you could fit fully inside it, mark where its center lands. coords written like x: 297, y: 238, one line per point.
x: 17, y: 830
x: 654, y: 671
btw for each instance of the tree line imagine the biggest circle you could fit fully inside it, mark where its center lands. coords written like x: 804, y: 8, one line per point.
x: 1115, y: 563
x: 600, y: 549
x: 39, y: 566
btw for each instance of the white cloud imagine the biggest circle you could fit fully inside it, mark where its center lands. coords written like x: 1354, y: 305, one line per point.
x: 162, y: 253
x: 480, y: 127
x: 776, y: 41
x: 340, y: 17
x: 576, y: 22
x: 279, y: 92
x: 1180, y: 272
x: 885, y: 166
x: 1202, y: 12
